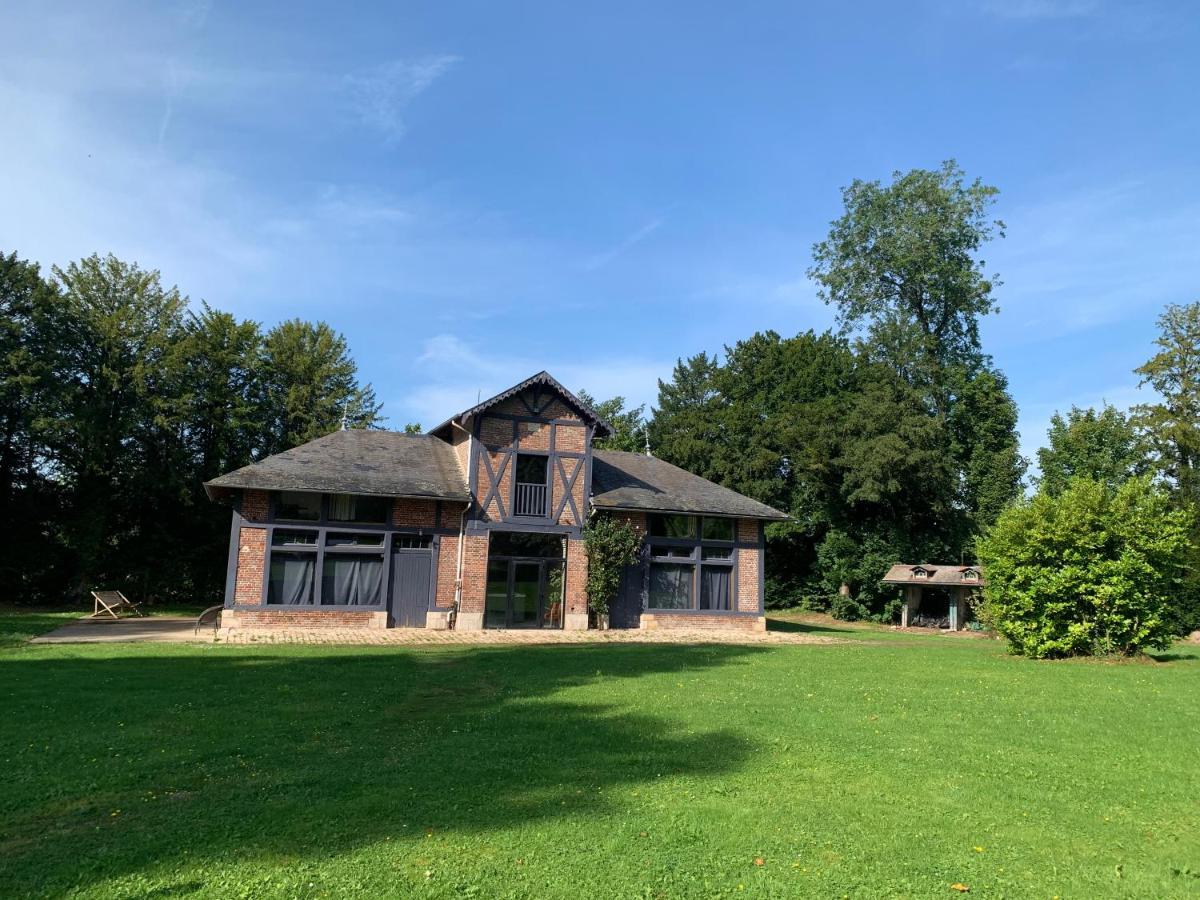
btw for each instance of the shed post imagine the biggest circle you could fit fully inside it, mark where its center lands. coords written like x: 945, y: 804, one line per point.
x: 955, y: 609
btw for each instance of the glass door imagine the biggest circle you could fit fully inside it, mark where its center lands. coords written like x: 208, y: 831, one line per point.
x: 523, y: 593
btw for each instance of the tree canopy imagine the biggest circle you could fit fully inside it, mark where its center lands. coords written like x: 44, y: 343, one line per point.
x: 1102, y: 446
x: 118, y: 400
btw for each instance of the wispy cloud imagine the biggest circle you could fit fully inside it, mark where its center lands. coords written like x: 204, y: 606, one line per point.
x: 600, y: 260
x: 381, y: 94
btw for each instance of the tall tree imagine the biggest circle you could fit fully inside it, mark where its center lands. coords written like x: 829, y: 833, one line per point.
x: 31, y: 563
x: 1173, y: 424
x: 113, y: 443
x: 683, y: 429
x: 628, y: 425
x: 310, y: 385
x: 1101, y: 446
x: 901, y: 260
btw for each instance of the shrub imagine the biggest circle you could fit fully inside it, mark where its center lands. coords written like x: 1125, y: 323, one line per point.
x: 1090, y: 571
x: 612, y: 544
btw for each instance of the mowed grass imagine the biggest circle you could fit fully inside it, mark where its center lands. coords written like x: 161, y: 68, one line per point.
x: 875, y: 767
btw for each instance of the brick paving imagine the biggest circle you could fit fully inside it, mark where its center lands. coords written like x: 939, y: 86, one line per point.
x: 421, y: 636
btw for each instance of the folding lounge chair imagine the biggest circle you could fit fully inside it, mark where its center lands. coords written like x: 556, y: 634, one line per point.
x: 113, y: 603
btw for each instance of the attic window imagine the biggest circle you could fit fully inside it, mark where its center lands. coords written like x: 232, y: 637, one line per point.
x: 970, y: 575
x: 919, y: 572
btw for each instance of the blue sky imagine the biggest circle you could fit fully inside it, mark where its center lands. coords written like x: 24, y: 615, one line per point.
x: 475, y: 191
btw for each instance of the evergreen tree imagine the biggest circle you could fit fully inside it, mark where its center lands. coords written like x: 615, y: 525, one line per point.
x: 309, y: 385
x: 628, y: 425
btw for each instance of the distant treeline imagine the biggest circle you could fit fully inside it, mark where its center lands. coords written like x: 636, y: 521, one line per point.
x: 117, y: 400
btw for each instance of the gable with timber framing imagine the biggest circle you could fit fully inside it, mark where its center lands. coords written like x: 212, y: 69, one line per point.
x: 537, y: 430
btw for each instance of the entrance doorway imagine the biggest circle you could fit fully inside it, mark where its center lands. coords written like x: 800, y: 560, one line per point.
x: 524, y: 581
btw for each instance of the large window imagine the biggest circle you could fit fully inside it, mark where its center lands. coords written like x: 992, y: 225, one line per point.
x: 352, y: 508
x: 691, y: 563
x: 302, y: 506
x: 298, y: 507
x: 350, y: 566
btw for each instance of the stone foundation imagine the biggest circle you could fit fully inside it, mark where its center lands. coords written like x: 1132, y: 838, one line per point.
x: 575, y: 621
x: 468, y: 621
x: 302, y: 618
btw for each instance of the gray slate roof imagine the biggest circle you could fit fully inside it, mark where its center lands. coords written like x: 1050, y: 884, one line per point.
x: 906, y: 573
x: 623, y: 480
x: 356, y: 461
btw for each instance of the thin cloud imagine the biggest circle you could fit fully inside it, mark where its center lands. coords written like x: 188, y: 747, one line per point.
x: 381, y: 94
x: 601, y: 260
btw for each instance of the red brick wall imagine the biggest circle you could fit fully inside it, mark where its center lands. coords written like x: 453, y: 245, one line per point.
x: 415, y: 513
x: 474, y: 574
x: 748, y: 563
x: 534, y: 435
x: 254, y: 505
x: 302, y: 618
x: 570, y: 438
x: 576, y: 582
x: 251, y: 559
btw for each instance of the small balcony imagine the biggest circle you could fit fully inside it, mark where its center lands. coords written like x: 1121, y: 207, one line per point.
x: 532, y: 500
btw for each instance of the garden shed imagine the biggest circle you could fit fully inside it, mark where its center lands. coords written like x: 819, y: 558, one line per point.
x: 935, y: 595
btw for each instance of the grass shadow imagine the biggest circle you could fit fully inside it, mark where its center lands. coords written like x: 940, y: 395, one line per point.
x: 119, y: 764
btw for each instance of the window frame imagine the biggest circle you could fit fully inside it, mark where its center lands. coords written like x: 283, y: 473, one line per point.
x: 665, y: 551
x: 392, y: 538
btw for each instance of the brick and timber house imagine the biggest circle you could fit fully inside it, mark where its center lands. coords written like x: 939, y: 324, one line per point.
x: 479, y: 524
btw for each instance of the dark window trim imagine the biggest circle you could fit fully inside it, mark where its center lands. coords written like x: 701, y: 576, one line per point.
x: 324, y: 520
x: 319, y: 550
x: 695, y: 559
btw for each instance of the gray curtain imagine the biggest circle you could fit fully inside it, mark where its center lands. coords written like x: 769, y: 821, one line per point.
x: 670, y: 586
x: 291, y: 578
x: 353, y: 580
x: 714, y: 587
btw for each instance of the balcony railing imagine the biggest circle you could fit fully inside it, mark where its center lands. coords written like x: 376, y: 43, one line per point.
x: 531, y: 500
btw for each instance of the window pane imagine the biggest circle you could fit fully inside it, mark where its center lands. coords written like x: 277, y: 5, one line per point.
x: 334, y: 539
x: 294, y: 538
x: 673, y: 526
x: 714, y: 587
x: 352, y: 580
x: 497, y: 594
x: 411, y: 541
x: 531, y: 468
x: 678, y: 552
x: 526, y: 543
x: 718, y: 530
x: 290, y: 582
x: 351, y: 508
x: 299, y: 506
x: 670, y: 586
x: 717, y: 553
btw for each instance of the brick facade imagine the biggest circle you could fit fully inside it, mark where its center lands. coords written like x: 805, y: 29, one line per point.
x: 748, y: 561
x: 251, y: 563
x: 557, y: 430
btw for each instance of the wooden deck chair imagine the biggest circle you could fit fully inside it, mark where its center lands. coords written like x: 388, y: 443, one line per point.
x: 113, y: 603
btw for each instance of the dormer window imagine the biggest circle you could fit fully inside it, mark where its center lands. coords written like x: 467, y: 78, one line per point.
x: 970, y: 575
x: 920, y: 572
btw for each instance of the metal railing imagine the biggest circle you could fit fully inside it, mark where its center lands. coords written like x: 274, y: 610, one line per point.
x: 531, y: 500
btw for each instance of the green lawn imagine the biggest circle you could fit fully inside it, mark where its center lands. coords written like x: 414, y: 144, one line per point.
x: 886, y: 765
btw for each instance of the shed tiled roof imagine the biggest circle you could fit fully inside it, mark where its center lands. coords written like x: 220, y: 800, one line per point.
x: 356, y: 461
x: 635, y: 481
x: 603, y: 429
x: 909, y: 573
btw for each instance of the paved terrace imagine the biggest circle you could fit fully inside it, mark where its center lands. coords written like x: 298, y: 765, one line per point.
x: 163, y: 629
